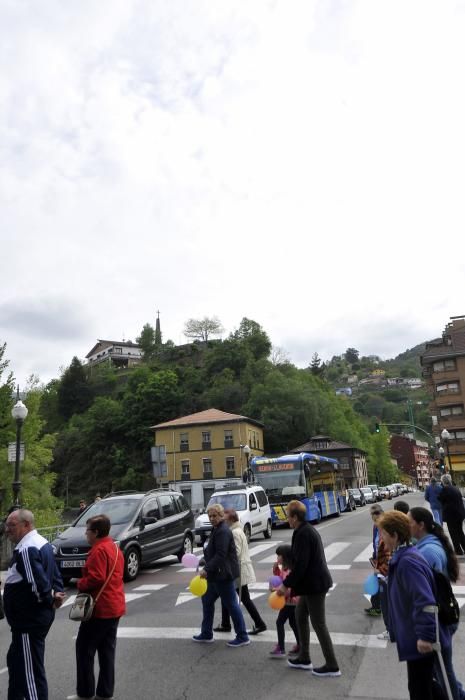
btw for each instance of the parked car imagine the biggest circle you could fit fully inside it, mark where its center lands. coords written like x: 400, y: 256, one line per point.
x: 375, y: 490
x: 147, y: 526
x: 385, y: 493
x: 368, y: 493
x: 392, y: 490
x: 351, y: 504
x: 251, y: 505
x: 358, y: 496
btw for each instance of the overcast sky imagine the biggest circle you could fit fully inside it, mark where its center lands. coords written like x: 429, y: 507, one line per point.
x: 297, y: 162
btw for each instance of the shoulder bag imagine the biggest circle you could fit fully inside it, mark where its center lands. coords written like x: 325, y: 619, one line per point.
x: 83, y: 606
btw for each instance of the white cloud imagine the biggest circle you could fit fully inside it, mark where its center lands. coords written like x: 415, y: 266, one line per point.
x: 297, y: 163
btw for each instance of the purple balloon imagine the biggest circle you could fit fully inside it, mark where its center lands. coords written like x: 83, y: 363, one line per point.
x: 371, y: 585
x: 190, y: 561
x: 275, y: 581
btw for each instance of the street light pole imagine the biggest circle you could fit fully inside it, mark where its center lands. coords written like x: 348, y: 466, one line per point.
x: 19, y: 413
x: 445, y: 437
x: 246, y: 450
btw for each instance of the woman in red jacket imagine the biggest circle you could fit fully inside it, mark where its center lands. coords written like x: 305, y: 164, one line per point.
x: 99, y: 633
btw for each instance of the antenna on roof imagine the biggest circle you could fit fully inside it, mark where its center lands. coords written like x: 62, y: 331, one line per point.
x: 124, y: 339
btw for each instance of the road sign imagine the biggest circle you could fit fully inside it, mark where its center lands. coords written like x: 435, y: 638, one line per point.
x: 160, y: 468
x: 12, y: 452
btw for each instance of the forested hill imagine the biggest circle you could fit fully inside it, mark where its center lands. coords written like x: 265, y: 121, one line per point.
x: 94, y: 427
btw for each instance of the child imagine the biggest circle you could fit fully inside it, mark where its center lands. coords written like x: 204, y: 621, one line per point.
x: 282, y: 568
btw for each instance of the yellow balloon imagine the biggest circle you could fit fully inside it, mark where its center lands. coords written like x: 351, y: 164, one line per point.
x: 277, y: 602
x: 198, y: 586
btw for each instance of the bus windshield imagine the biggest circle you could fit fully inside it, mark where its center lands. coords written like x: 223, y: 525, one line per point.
x: 279, y: 485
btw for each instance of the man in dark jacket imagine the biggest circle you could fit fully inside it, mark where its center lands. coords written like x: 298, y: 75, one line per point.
x: 221, y: 569
x: 453, y: 513
x: 310, y: 580
x: 33, y: 589
x: 432, y: 492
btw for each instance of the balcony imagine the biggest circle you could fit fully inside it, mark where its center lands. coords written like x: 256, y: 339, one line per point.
x: 206, y: 445
x: 185, y: 476
x: 208, y: 475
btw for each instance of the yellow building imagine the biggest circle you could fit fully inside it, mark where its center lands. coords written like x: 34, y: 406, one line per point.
x: 208, y: 446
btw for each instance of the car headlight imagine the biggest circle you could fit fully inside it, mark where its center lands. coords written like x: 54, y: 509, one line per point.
x: 55, y: 549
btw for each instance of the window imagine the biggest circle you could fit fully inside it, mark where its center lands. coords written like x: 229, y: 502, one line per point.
x: 261, y: 498
x: 184, y: 442
x: 208, y: 491
x: 118, y: 351
x: 444, y: 365
x: 180, y: 502
x: 207, y: 469
x: 185, y: 469
x: 448, y: 411
x: 252, y: 501
x: 230, y: 466
x: 228, y: 438
x: 448, y: 388
x: 151, y: 509
x: 206, y: 440
x: 167, y: 505
x: 457, y: 434
x: 187, y: 497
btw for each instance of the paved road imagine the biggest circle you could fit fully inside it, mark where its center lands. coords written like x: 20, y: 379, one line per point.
x: 157, y: 659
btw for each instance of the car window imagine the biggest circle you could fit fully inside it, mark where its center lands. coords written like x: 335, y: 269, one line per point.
x: 167, y: 505
x: 180, y: 503
x: 151, y: 509
x: 261, y: 498
x: 233, y: 501
x: 252, y: 500
x: 119, y: 510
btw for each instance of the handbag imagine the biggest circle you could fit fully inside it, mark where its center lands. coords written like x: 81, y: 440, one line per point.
x: 83, y: 605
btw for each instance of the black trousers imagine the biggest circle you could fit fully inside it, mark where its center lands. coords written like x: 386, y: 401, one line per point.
x: 96, y: 635
x: 420, y: 678
x: 455, y: 528
x: 25, y: 660
x: 248, y: 604
x: 286, y: 613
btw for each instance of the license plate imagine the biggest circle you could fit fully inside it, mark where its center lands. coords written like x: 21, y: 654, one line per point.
x: 73, y: 564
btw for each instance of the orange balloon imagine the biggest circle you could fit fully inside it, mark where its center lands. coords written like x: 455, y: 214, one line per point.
x: 277, y: 602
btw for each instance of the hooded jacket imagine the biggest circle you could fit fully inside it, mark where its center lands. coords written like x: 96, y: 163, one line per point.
x: 433, y: 551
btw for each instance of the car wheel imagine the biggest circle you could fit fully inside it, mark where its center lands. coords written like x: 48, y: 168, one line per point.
x: 131, y: 564
x: 187, y: 547
x: 247, y: 532
x: 267, y: 533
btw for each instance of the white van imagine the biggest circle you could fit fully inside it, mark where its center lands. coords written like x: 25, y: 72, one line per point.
x: 251, y: 504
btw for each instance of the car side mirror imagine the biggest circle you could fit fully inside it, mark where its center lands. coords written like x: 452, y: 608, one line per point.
x: 253, y: 506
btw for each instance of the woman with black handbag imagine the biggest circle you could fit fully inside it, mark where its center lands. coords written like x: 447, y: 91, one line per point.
x: 103, y: 579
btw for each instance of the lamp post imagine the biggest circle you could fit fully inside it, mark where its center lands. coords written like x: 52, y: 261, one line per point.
x: 19, y: 413
x: 246, y: 450
x: 445, y: 437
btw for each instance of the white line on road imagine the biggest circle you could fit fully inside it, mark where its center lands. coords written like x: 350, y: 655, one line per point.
x: 151, y: 587
x: 3, y: 670
x: 263, y: 547
x: 365, y: 554
x: 339, y: 567
x: 335, y: 548
x: 339, y: 638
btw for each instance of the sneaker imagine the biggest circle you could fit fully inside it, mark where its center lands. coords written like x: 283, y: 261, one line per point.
x: 221, y: 628
x: 257, y: 630
x: 373, y: 612
x: 238, y: 642
x: 277, y: 653
x: 294, y: 651
x: 305, y: 664
x: 383, y: 635
x: 202, y: 639
x: 326, y: 671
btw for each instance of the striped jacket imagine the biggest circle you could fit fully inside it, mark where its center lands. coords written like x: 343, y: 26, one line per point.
x: 30, y: 582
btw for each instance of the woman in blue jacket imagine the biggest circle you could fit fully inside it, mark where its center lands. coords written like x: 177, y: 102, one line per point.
x: 410, y: 589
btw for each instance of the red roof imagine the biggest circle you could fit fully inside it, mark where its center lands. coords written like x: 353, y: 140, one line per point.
x: 211, y: 415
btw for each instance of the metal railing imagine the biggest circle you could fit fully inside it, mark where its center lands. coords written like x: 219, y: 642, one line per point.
x: 51, y: 532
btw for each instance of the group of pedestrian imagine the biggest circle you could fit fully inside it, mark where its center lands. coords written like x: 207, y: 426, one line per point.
x: 34, y: 590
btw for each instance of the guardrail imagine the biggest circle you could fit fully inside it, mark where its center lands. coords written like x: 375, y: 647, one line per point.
x: 51, y: 532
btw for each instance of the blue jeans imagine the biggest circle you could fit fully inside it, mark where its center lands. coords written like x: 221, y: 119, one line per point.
x: 437, y: 515
x: 227, y: 592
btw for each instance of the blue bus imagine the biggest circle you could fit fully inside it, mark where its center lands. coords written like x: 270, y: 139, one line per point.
x: 307, y: 477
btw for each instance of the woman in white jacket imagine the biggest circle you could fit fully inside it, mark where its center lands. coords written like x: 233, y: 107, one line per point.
x: 247, y: 576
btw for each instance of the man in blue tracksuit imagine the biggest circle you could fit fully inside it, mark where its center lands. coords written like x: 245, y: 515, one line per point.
x: 33, y: 589
x: 432, y: 492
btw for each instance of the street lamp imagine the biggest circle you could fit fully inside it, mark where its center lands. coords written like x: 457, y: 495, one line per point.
x: 19, y: 413
x: 446, y: 437
x: 247, y: 474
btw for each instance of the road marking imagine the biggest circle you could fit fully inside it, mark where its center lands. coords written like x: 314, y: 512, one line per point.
x: 339, y: 567
x: 191, y: 570
x: 151, y: 587
x: 339, y: 638
x: 268, y: 560
x: 128, y: 596
x: 365, y: 554
x: 4, y: 670
x: 335, y: 548
x: 184, y: 597
x: 459, y: 590
x: 263, y: 547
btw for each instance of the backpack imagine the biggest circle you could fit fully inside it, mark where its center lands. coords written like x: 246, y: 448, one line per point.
x: 449, y: 611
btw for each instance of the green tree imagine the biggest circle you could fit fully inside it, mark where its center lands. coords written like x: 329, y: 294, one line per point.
x: 316, y: 367
x: 351, y: 356
x: 252, y: 335
x: 202, y: 329
x: 146, y: 340
x: 74, y: 392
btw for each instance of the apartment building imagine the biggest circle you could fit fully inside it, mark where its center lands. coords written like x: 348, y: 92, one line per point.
x: 443, y: 365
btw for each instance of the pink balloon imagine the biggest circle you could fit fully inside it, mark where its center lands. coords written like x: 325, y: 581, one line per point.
x: 190, y: 561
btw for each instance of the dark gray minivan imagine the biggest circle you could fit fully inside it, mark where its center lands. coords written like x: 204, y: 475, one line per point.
x: 147, y: 526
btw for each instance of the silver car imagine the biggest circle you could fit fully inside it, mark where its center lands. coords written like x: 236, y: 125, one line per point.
x: 368, y: 494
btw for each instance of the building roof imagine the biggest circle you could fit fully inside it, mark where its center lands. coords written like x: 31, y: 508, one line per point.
x: 211, y: 415
x: 451, y: 344
x: 109, y: 343
x: 332, y: 445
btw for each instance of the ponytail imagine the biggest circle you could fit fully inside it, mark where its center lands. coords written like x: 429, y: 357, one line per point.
x: 423, y: 515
